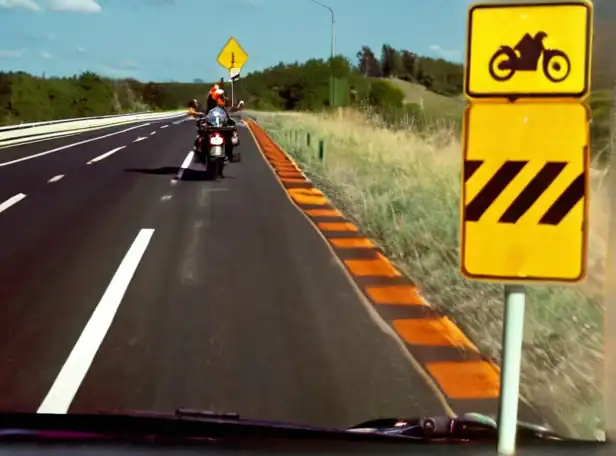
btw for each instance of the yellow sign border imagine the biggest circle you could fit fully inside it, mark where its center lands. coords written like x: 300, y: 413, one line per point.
x: 585, y: 225
x: 231, y: 38
x: 585, y: 93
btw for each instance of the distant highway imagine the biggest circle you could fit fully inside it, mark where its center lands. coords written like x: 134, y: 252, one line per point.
x: 128, y: 281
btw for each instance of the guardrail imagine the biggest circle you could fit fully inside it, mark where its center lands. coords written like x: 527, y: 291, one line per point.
x: 54, y: 129
x: 60, y: 121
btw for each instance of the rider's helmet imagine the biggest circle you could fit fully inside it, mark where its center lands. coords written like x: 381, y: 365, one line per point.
x: 193, y: 104
x: 540, y: 36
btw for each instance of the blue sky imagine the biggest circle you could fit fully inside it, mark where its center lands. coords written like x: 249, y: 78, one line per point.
x: 165, y: 40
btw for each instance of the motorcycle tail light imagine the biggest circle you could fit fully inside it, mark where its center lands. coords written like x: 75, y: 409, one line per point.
x: 216, y: 140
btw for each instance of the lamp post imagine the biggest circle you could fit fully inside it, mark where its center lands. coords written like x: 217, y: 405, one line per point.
x: 332, y: 86
x: 333, y: 49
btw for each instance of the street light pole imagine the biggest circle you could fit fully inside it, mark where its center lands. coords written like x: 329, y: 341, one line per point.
x: 333, y: 50
x: 332, y: 86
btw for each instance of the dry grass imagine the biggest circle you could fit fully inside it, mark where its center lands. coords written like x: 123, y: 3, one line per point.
x: 431, y: 102
x: 402, y: 189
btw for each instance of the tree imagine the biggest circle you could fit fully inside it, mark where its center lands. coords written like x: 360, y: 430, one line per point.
x: 409, y: 63
x: 369, y: 65
x: 391, y: 65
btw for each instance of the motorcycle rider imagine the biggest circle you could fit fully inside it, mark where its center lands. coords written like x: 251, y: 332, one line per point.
x: 193, y: 111
x: 530, y: 48
x: 216, y: 99
x: 193, y: 108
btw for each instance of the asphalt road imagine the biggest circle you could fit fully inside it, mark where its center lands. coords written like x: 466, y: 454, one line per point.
x: 122, y: 289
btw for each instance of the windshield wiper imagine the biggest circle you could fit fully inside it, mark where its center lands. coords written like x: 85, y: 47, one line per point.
x: 472, y: 426
x: 193, y: 413
x: 188, y: 423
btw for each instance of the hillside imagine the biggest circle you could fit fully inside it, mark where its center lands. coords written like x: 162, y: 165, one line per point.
x: 398, y: 84
x: 286, y: 86
x: 431, y: 102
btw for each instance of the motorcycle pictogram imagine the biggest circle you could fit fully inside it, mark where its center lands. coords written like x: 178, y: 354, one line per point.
x: 556, y: 64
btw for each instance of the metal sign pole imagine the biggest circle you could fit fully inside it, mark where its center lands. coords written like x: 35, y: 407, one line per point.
x: 513, y: 337
x: 496, y: 246
x: 232, y: 58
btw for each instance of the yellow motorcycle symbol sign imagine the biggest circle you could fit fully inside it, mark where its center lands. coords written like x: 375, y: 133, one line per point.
x: 506, y: 61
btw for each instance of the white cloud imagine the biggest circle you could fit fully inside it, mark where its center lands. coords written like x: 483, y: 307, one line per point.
x: 46, y: 55
x: 129, y: 65
x: 255, y: 4
x: 27, y: 4
x: 81, y: 50
x: 11, y: 53
x: 118, y: 72
x: 75, y: 6
x: 446, y: 53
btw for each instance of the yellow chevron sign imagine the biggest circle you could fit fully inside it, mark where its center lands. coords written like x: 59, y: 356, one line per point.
x: 525, y: 191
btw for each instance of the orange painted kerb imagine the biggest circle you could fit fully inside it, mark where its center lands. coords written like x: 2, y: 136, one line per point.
x: 471, y: 378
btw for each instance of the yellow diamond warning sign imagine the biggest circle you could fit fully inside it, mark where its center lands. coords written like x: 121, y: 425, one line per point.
x: 232, y: 55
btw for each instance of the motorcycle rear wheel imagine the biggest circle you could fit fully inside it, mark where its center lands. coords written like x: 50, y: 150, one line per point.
x: 493, y: 65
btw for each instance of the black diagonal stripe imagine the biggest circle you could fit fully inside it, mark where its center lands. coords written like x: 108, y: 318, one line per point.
x: 565, y: 202
x: 488, y: 194
x: 532, y: 191
x: 470, y: 166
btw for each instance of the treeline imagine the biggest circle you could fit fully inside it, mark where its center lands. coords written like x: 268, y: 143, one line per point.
x: 295, y: 86
x: 306, y: 85
x: 27, y: 98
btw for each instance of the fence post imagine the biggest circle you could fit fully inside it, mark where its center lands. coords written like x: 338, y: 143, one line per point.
x: 321, y: 150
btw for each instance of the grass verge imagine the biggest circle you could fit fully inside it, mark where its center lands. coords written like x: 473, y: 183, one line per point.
x: 402, y: 188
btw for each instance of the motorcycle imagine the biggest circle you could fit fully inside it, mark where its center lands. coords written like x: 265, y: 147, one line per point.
x: 556, y: 64
x: 216, y: 140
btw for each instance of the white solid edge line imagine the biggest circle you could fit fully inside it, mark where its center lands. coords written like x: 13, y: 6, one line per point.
x: 55, y: 178
x: 105, y: 155
x: 11, y: 201
x: 74, y: 370
x: 85, y: 141
x: 187, y: 160
x: 185, y: 164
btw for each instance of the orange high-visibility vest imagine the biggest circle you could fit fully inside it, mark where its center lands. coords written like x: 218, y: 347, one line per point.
x: 215, y: 93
